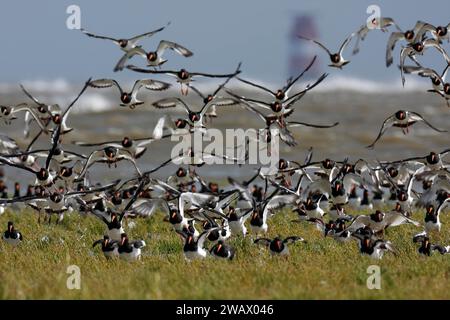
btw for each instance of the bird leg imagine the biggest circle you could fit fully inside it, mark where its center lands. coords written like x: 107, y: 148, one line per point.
x: 184, y: 90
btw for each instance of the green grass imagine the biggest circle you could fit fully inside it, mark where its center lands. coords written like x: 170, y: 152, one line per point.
x: 319, y: 269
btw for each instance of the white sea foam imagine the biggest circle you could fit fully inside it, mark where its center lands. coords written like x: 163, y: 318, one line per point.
x: 62, y: 91
x: 342, y: 83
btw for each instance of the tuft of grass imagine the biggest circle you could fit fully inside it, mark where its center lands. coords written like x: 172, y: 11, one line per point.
x: 319, y: 269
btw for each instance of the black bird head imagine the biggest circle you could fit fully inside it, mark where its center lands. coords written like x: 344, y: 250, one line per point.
x: 400, y: 115
x: 125, y: 97
x: 441, y: 31
x: 180, y: 123
x: 280, y: 95
x: 409, y: 35
x: 152, y: 56
x: 183, y: 74
x: 123, y: 43
x: 123, y: 239
x: 42, y: 174
x: 127, y: 142
x: 110, y: 152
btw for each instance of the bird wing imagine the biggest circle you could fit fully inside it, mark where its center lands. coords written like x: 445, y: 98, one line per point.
x: 358, y: 222
x: 294, y: 98
x: 405, y: 52
x: 416, y: 116
x: 105, y: 83
x: 256, y: 86
x: 134, y: 40
x: 432, y: 43
x: 394, y: 37
x: 318, y: 43
x: 291, y: 82
x: 65, y: 115
x: 128, y: 55
x: 387, y: 123
x: 164, y: 45
x: 98, y: 36
x: 202, y: 237
x: 259, y: 103
x: 442, y: 206
x: 171, y: 103
x: 423, y: 72
x: 393, y: 219
x: 345, y: 43
x: 13, y: 164
x: 293, y: 124
x: 149, y: 84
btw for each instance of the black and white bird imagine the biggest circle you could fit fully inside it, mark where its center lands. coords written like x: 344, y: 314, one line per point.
x: 377, y: 23
x: 222, y: 251
x: 8, y: 113
x: 182, y: 76
x: 402, y: 119
x: 130, y: 250
x: 135, y: 147
x: 110, y: 248
x: 11, y: 235
x: 418, y: 48
x: 438, y: 81
x: 439, y: 33
x: 368, y: 245
x: 129, y: 99
x: 123, y: 43
x: 432, y: 216
x: 236, y: 219
x: 410, y: 36
x: 380, y: 221
x: 126, y: 44
x: 109, y: 155
x: 194, y: 248
x: 283, y: 94
x: 153, y: 58
x: 279, y: 246
x: 337, y: 59
x: 426, y: 247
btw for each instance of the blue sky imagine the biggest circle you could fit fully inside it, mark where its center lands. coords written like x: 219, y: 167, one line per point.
x: 37, y: 45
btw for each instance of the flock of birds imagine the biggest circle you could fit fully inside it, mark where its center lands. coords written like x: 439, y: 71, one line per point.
x: 321, y: 192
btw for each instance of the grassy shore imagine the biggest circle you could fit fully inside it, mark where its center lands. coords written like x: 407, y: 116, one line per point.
x: 319, y: 269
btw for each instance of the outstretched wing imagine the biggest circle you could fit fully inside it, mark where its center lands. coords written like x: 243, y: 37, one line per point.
x: 127, y: 56
x: 149, y: 84
x: 395, y: 36
x: 416, y: 116
x: 134, y: 40
x: 98, y: 36
x: 345, y: 43
x: 171, y: 103
x: 256, y: 86
x: 386, y: 125
x: 164, y: 45
x: 316, y: 42
x: 291, y: 82
x: 105, y: 83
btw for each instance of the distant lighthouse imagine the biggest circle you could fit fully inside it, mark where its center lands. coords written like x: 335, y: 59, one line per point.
x: 300, y: 52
